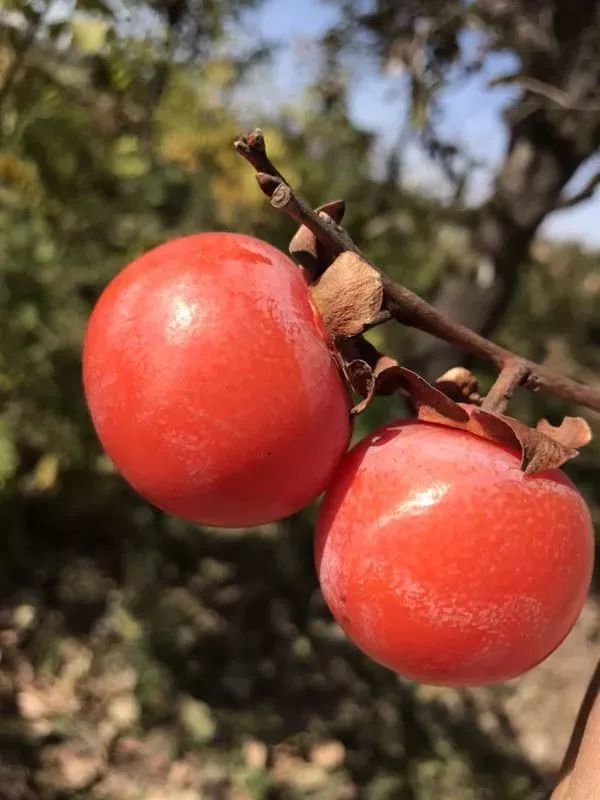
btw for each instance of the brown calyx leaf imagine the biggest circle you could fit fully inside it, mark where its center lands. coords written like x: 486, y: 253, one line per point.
x: 459, y: 384
x: 366, y: 370
x: 307, y: 250
x: 362, y: 381
x: 386, y: 377
x: 430, y: 404
x: 543, y: 448
x: 573, y: 432
x: 539, y: 452
x: 348, y: 295
x: 384, y: 372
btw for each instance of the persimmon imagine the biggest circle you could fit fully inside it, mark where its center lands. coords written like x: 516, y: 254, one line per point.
x: 445, y: 562
x: 212, y: 384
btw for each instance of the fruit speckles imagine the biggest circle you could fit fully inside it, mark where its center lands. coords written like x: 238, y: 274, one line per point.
x: 454, y: 567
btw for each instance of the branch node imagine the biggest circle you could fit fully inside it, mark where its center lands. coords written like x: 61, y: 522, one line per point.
x: 281, y: 196
x: 268, y: 183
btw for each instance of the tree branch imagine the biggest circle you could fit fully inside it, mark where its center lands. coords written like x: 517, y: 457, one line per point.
x: 585, y: 194
x: 399, y: 302
x: 580, y: 772
x: 513, y: 374
x: 546, y: 90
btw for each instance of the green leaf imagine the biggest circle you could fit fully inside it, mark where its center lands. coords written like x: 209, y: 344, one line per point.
x: 9, y: 459
x: 197, y: 721
x: 45, y: 472
x: 127, y: 160
x: 89, y: 34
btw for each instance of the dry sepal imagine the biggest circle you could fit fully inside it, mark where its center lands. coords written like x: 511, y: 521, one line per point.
x: 459, y: 384
x: 348, y: 295
x: 542, y: 448
x: 307, y: 250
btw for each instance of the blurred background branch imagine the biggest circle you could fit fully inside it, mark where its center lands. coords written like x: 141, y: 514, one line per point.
x: 582, y: 195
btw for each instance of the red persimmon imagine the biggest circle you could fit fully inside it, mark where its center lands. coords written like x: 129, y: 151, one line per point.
x: 211, y: 382
x: 443, y: 561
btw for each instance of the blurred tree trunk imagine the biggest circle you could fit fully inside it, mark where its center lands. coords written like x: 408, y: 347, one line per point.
x: 545, y: 149
x: 553, y: 127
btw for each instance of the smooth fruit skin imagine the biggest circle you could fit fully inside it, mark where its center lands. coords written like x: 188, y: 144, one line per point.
x: 211, y: 383
x: 443, y: 561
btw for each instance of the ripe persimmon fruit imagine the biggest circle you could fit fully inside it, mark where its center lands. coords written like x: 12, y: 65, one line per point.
x: 212, y: 383
x: 445, y: 562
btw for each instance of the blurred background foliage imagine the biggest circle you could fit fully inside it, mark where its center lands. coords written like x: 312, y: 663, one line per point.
x: 145, y: 658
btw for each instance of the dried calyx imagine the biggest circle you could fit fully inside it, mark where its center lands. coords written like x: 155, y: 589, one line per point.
x: 543, y: 447
x: 350, y: 295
